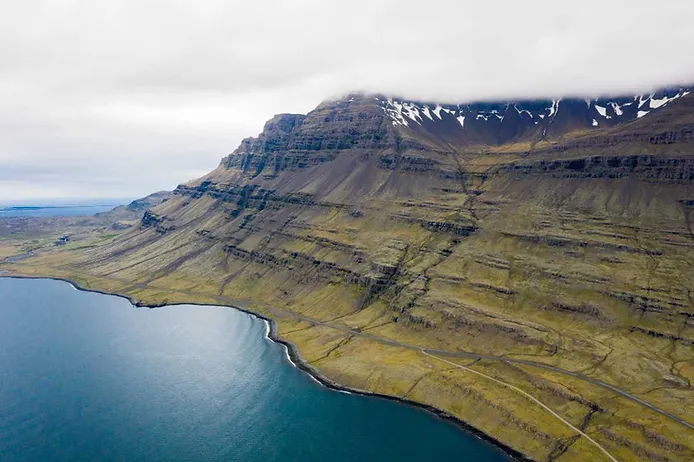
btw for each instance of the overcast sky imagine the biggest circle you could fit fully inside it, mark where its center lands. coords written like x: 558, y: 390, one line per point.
x: 124, y: 97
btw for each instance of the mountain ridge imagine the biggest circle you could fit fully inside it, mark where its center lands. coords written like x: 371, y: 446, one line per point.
x: 569, y: 247
x: 606, y: 110
x: 424, y: 116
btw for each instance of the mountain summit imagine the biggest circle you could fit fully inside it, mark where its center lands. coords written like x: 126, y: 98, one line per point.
x: 546, y: 246
x: 447, y: 144
x: 508, y: 121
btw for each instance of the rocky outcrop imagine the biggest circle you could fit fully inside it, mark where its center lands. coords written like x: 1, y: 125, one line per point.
x: 291, y: 141
x: 650, y: 167
x: 150, y: 220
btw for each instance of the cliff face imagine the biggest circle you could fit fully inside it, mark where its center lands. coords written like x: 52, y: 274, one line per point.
x: 555, y: 232
x: 291, y: 141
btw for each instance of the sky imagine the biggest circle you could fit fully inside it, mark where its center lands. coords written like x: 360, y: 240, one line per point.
x: 127, y: 97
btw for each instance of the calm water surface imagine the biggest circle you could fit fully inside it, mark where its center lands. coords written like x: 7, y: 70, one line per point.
x: 54, y: 211
x: 85, y: 376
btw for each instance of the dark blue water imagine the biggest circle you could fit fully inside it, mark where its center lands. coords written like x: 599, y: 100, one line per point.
x: 85, y: 376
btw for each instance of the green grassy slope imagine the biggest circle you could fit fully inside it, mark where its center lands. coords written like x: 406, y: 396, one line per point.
x: 367, y: 241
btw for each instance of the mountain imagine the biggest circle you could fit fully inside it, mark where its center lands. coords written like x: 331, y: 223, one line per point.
x: 495, y: 123
x: 124, y: 216
x: 545, y: 245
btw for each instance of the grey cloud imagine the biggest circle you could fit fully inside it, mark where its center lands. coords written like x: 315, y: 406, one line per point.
x: 122, y: 98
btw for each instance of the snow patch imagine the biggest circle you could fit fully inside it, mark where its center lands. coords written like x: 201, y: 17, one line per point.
x: 437, y: 111
x: 404, y: 113
x: 602, y: 110
x: 521, y: 111
x: 394, y: 109
x: 643, y: 100
x: 656, y: 103
x: 555, y: 108
x: 617, y: 109
x: 412, y: 112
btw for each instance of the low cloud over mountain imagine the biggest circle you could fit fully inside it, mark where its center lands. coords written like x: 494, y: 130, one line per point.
x: 138, y: 96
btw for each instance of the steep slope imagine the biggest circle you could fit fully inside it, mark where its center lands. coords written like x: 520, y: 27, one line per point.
x: 520, y: 239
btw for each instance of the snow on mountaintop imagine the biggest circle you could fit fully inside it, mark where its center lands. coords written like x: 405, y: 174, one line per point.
x: 594, y: 113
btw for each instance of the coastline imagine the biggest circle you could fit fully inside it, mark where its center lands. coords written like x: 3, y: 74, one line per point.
x: 295, y: 358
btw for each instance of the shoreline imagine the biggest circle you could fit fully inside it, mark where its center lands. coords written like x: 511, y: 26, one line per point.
x: 294, y: 357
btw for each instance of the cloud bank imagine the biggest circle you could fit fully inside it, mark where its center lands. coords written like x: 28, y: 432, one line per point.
x: 124, y: 98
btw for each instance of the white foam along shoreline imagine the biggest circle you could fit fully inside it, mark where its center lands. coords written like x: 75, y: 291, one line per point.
x: 297, y: 361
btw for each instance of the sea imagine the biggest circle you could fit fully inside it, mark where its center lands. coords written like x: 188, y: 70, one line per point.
x: 90, y: 377
x: 59, y: 208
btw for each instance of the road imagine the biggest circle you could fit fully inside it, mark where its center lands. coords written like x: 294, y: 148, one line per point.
x: 419, y: 348
x: 485, y: 357
x: 530, y: 397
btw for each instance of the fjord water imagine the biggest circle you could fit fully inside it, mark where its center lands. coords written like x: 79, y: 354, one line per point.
x: 55, y: 211
x: 59, y: 207
x: 85, y: 376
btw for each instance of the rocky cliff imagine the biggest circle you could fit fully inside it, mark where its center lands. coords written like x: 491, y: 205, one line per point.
x: 546, y: 244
